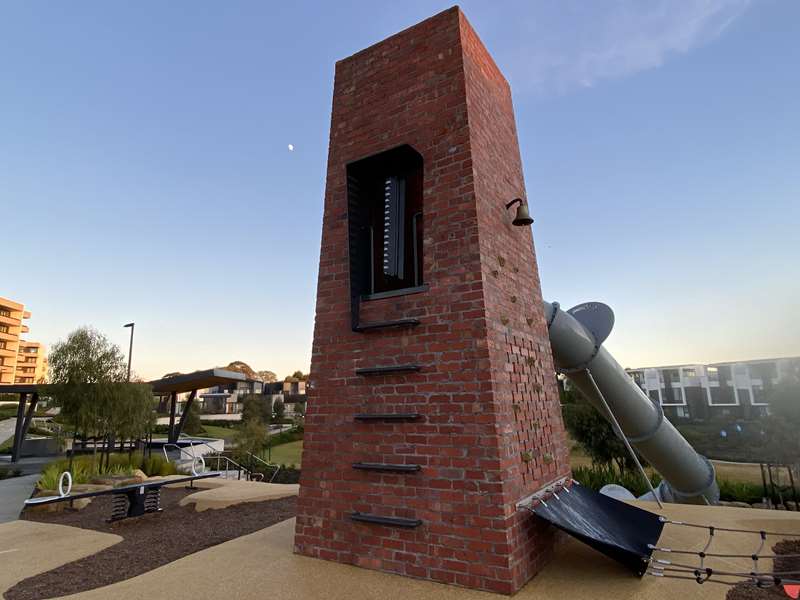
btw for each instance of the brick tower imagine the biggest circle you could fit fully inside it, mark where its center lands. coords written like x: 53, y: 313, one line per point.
x: 433, y: 408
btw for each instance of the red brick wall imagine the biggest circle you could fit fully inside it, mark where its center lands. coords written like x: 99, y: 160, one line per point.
x: 486, y: 389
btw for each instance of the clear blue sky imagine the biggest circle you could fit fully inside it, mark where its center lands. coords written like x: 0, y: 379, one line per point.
x: 145, y: 174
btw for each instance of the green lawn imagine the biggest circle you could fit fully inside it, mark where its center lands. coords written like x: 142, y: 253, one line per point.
x: 285, y: 454
x: 226, y: 433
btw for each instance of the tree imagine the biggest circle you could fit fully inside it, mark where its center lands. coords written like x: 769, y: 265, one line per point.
x: 782, y: 426
x: 257, y: 407
x: 279, y: 409
x: 267, y: 376
x: 296, y: 376
x: 784, y: 400
x: 86, y: 356
x: 243, y: 368
x: 192, y: 425
x: 88, y: 376
x: 594, y: 434
x: 250, y: 439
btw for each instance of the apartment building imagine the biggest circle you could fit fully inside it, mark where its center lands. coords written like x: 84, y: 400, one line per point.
x: 21, y: 361
x: 698, y: 392
x: 31, y: 363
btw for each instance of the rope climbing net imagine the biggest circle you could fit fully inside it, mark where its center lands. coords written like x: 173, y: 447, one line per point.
x: 702, y: 572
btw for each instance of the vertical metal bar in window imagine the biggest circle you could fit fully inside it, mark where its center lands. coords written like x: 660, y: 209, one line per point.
x: 371, y: 260
x: 414, y: 220
x: 393, y: 226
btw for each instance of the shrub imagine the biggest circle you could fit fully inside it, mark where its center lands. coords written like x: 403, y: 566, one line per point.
x: 740, y: 491
x: 192, y: 424
x: 286, y: 474
x: 292, y: 435
x: 81, y: 473
x: 85, y: 468
x: 596, y: 476
x: 214, y: 423
x: 6, y: 473
x: 156, y: 465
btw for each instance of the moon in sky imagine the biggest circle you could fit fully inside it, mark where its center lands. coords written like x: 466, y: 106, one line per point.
x: 291, y: 147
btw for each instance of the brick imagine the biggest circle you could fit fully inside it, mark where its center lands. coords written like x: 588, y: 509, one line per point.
x: 487, y: 389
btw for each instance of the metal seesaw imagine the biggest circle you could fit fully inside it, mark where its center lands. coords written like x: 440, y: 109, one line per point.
x: 132, y: 500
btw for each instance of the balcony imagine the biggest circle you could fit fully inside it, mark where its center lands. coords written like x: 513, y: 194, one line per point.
x: 25, y: 329
x: 8, y: 352
x: 9, y: 321
x: 8, y: 337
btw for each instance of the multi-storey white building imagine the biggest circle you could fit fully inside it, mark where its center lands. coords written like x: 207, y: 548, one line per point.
x: 730, y: 389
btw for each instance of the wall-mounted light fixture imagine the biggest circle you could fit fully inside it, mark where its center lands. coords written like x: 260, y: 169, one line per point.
x: 522, y: 217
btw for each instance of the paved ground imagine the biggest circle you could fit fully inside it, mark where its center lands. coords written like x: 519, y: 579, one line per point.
x: 236, y: 568
x: 7, y: 429
x: 31, y: 465
x: 13, y: 493
x: 28, y: 548
x: 238, y: 492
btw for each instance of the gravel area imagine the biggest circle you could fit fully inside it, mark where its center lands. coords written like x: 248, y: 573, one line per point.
x: 748, y: 591
x: 148, y: 542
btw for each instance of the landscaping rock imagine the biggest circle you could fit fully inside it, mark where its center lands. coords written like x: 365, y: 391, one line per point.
x: 734, y: 504
x: 117, y: 480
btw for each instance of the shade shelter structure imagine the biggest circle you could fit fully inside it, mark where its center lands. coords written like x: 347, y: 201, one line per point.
x: 190, y: 383
x: 28, y: 399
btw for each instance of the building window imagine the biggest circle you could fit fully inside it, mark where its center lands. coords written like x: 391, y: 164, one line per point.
x: 653, y: 395
x: 672, y: 396
x: 3, y: 328
x: 4, y: 312
x: 722, y: 396
x: 713, y: 373
x: 2, y: 345
x: 682, y: 412
x: 689, y: 373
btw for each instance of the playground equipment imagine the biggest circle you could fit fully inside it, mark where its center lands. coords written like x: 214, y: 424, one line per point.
x: 576, y: 338
x: 128, y: 500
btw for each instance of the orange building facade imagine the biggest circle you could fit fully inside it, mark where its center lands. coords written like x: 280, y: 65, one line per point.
x: 21, y: 361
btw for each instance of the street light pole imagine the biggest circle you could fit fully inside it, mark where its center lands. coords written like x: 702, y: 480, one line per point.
x: 130, y: 348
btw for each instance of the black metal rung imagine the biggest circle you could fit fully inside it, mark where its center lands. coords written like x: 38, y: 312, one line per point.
x: 386, y: 467
x: 387, y: 370
x: 388, y: 417
x: 390, y: 521
x: 386, y: 324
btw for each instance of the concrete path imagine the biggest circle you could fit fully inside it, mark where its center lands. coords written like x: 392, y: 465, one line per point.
x: 28, y: 548
x: 7, y: 429
x: 13, y: 493
x: 239, y: 492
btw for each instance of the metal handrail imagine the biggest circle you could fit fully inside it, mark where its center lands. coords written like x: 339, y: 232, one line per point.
x: 228, y: 461
x: 262, y: 461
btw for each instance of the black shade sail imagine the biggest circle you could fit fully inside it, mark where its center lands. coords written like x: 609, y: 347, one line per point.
x: 618, y: 530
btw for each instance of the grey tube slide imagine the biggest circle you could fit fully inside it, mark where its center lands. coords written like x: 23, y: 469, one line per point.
x: 576, y: 337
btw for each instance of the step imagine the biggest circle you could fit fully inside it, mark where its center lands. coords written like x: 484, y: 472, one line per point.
x: 388, y: 370
x: 364, y: 327
x: 390, y: 521
x: 388, y: 417
x: 386, y: 467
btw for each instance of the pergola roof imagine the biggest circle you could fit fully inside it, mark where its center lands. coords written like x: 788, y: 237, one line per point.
x: 196, y: 381
x: 23, y: 388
